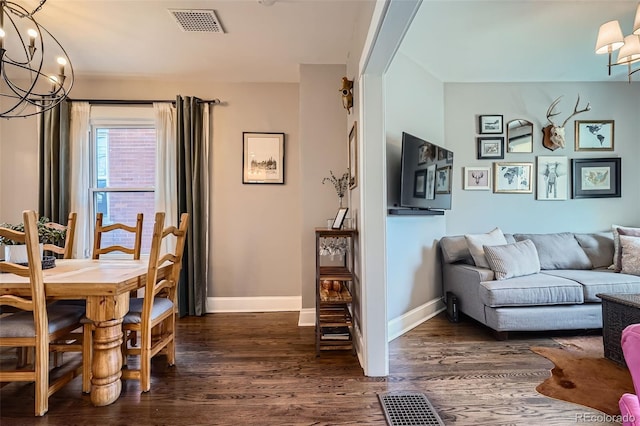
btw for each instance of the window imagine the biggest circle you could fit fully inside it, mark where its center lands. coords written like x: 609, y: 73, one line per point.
x: 123, y: 154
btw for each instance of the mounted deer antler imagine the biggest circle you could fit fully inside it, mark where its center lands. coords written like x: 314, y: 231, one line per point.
x: 554, y: 134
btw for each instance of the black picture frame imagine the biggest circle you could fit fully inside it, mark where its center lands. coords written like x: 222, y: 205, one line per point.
x: 596, y: 177
x: 490, y: 124
x: 339, y: 219
x: 490, y: 147
x: 263, y: 158
x: 420, y: 183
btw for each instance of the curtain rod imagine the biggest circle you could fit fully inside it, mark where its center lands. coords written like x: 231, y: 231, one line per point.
x: 135, y: 102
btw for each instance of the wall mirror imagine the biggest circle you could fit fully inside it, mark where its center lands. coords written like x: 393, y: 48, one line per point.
x: 519, y: 136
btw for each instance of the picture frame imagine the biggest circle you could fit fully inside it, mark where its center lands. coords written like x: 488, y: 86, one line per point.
x: 430, y: 190
x: 513, y: 178
x: 352, y: 153
x: 263, y: 158
x: 339, y: 219
x: 490, y: 147
x: 490, y: 124
x: 594, y: 135
x: 477, y: 178
x: 420, y: 183
x: 596, y: 177
x: 426, y: 152
x: 443, y: 180
x: 552, y: 178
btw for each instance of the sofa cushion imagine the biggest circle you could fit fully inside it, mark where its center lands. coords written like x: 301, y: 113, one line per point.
x: 598, y: 247
x: 630, y: 248
x: 627, y: 230
x: 558, y: 251
x: 476, y: 243
x: 594, y: 282
x: 530, y: 290
x: 513, y: 260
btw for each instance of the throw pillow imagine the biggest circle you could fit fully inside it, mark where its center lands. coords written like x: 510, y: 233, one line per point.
x: 513, y: 260
x: 630, y: 259
x: 558, y: 250
x: 476, y: 243
x: 617, y: 230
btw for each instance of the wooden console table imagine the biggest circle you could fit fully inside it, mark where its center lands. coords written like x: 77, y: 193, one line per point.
x: 618, y: 311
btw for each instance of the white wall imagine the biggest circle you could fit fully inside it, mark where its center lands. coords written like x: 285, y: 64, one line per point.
x: 480, y: 211
x: 415, y: 104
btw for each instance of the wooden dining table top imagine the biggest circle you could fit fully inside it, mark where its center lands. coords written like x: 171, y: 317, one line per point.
x: 81, y: 278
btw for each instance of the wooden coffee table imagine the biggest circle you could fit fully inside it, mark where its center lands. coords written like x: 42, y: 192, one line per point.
x: 618, y: 311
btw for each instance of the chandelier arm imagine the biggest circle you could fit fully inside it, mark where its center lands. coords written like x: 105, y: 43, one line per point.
x: 43, y: 91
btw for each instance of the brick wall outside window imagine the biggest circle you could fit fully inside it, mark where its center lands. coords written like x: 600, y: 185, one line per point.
x: 130, y: 163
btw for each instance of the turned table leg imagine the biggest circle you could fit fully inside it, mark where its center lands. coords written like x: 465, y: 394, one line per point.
x: 107, y: 362
x: 107, y: 313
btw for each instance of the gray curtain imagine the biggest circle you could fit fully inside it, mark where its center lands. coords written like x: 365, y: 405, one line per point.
x: 192, y: 198
x: 55, y: 162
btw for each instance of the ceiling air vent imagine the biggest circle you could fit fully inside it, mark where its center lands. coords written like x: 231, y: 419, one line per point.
x: 199, y: 21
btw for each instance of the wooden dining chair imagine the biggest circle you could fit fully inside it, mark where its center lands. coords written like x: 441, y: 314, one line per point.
x: 153, y: 316
x: 133, y: 250
x: 36, y: 325
x: 100, y: 229
x: 70, y: 232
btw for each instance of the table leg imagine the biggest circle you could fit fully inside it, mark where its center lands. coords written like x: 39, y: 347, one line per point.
x: 107, y: 362
x: 107, y: 313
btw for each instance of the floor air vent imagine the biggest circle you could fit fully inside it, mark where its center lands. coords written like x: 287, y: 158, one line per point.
x: 408, y: 409
x: 200, y: 21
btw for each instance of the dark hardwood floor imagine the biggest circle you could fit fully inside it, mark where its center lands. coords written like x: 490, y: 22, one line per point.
x: 261, y: 369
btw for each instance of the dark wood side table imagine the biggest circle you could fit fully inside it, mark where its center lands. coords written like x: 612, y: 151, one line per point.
x: 618, y: 311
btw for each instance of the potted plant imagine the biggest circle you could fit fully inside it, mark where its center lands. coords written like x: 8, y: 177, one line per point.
x: 17, y: 253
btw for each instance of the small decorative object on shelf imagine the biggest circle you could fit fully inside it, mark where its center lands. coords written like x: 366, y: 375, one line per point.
x: 340, y: 184
x: 333, y: 246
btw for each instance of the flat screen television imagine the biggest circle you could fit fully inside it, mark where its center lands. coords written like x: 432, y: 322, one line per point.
x: 426, y: 174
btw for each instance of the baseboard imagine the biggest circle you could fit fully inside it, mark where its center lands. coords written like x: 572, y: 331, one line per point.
x: 254, y: 304
x: 398, y: 326
x: 307, y: 317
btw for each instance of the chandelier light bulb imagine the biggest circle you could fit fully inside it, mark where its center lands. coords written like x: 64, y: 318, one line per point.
x: 61, y: 62
x: 1, y: 33
x: 33, y: 34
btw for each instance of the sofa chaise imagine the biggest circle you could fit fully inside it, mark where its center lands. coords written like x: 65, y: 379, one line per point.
x: 533, y: 282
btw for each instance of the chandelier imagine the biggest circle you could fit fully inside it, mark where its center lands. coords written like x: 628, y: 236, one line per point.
x: 32, y: 64
x: 610, y: 38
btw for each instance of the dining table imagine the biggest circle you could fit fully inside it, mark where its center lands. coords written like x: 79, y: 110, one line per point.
x: 105, y: 284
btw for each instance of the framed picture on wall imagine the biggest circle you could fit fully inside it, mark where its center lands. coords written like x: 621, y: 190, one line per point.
x: 477, y: 178
x: 594, y: 135
x: 490, y: 147
x: 514, y: 178
x: 263, y: 158
x: 353, y: 156
x: 596, y: 177
x: 553, y: 174
x: 490, y: 124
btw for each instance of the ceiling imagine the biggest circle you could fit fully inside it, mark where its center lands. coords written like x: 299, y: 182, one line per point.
x: 140, y: 38
x: 455, y: 40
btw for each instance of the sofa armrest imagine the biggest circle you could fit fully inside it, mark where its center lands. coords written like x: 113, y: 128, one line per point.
x: 464, y: 281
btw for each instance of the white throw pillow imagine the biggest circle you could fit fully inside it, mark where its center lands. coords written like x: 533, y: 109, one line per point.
x: 476, y: 243
x: 630, y: 259
x: 513, y: 260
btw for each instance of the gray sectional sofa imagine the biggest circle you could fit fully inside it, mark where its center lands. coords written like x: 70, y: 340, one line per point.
x: 558, y: 294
